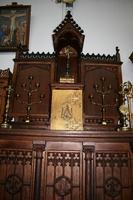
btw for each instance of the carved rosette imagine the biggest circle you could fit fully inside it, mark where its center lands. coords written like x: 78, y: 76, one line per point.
x: 112, y: 187
x: 13, y: 184
x: 63, y: 186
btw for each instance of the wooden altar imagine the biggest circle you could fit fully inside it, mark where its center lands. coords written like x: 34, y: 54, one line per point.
x: 40, y: 163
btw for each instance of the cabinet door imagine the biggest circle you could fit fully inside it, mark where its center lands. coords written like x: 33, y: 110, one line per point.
x: 113, y: 173
x: 63, y: 174
x: 16, y: 174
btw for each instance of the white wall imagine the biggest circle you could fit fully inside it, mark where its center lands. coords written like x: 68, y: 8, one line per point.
x: 106, y: 24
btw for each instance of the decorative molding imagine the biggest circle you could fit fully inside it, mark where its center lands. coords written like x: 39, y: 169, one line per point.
x: 88, y: 150
x: 33, y: 56
x: 63, y: 159
x: 92, y: 58
x: 39, y: 146
x: 90, y: 120
x: 112, y: 159
x: 103, y: 58
x: 15, y: 157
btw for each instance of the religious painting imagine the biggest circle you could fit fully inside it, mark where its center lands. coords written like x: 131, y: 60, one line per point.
x: 14, y: 27
x: 66, y: 109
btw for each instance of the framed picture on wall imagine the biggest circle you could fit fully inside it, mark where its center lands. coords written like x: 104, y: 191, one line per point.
x: 14, y: 26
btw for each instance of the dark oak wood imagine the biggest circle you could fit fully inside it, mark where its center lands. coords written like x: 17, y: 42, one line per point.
x: 32, y: 77
x: 39, y: 148
x: 37, y: 163
x: 101, y: 77
x: 85, y: 161
x: 89, y: 171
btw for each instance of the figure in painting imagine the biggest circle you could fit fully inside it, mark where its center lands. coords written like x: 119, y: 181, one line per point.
x: 14, y: 29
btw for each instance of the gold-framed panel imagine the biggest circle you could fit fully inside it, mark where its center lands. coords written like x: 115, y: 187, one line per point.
x: 66, y: 109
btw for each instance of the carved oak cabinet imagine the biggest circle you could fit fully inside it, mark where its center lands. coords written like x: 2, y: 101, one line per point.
x: 39, y: 163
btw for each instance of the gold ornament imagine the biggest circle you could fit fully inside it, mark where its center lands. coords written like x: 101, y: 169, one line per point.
x: 124, y: 109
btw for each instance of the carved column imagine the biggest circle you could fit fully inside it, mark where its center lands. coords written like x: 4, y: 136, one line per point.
x: 89, y: 171
x: 38, y: 148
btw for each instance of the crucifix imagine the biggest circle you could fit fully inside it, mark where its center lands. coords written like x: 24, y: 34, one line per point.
x: 67, y: 77
x: 68, y: 53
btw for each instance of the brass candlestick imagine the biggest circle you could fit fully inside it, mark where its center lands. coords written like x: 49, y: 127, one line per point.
x: 126, y: 107
x: 102, y: 92
x: 6, y: 123
x: 29, y: 89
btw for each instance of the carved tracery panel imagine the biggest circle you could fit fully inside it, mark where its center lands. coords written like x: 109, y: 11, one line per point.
x: 15, y: 174
x: 63, y: 179
x: 113, y: 179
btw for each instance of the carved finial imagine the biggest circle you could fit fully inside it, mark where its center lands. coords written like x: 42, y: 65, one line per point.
x: 19, y: 50
x: 14, y: 3
x: 118, y: 54
x: 68, y: 15
x: 117, y: 50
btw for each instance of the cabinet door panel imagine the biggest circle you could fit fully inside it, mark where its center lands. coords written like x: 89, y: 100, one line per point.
x: 63, y: 175
x: 113, y: 172
x: 16, y: 174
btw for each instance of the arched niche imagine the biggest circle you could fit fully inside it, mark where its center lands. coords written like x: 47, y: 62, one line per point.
x: 68, y: 41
